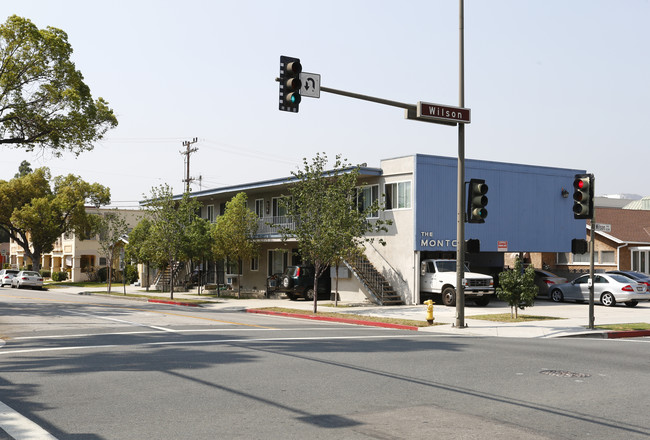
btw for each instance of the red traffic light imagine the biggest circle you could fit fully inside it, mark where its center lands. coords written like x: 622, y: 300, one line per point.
x: 583, y: 203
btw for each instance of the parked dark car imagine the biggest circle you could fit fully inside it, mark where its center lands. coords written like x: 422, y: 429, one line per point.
x: 545, y: 279
x: 298, y: 281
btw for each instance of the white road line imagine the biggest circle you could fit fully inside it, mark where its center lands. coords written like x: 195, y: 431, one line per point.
x: 182, y: 331
x: 211, y: 341
x: 20, y: 427
x: 138, y: 324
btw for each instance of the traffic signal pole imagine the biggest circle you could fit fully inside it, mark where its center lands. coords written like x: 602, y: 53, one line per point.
x: 460, y: 188
x: 591, y: 261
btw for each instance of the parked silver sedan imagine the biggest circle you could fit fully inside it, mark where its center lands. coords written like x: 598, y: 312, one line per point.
x: 27, y: 278
x: 6, y: 275
x: 609, y: 289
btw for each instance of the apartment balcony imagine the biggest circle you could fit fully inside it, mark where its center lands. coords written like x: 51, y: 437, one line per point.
x: 269, y: 227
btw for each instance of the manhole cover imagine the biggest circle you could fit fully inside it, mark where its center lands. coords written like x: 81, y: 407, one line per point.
x: 564, y: 373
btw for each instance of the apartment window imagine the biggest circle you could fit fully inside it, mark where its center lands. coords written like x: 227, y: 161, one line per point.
x: 102, y: 261
x: 398, y: 195
x: 277, y: 261
x: 232, y: 267
x: 222, y: 208
x: 279, y: 206
x: 87, y: 263
x: 209, y: 213
x: 607, y: 257
x: 581, y: 258
x: 255, y: 264
x: 259, y: 208
x: 366, y: 196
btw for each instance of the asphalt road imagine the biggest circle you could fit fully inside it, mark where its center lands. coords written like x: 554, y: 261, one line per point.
x: 82, y: 367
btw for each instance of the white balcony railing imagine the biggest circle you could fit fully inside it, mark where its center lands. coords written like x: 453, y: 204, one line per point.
x: 271, y: 226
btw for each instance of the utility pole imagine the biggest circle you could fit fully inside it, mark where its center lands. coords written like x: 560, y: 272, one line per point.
x: 187, y: 152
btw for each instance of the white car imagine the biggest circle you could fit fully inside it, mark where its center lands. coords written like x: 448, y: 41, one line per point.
x: 608, y: 289
x: 27, y: 278
x: 6, y: 275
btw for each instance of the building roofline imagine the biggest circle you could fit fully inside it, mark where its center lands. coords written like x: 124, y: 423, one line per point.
x: 270, y: 183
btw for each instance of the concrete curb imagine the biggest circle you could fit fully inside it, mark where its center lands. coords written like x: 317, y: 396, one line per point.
x: 331, y: 319
x: 626, y: 334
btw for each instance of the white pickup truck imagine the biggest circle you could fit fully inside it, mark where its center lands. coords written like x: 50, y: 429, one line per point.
x: 439, y: 276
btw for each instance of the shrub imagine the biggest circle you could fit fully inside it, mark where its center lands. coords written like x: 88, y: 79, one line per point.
x: 45, y: 273
x: 102, y: 274
x: 517, y: 287
x: 59, y: 276
x: 131, y: 274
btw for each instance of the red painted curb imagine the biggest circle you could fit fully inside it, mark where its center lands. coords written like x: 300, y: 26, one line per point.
x: 175, y: 303
x: 330, y: 319
x: 627, y: 334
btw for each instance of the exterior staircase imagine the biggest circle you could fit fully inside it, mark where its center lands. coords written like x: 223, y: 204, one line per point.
x: 375, y: 286
x: 163, y: 279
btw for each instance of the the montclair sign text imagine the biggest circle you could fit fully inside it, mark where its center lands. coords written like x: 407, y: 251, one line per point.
x: 427, y: 239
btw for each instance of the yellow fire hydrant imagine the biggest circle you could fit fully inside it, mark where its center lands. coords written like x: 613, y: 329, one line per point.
x: 429, y: 304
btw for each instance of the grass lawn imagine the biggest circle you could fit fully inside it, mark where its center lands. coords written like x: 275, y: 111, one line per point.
x: 625, y: 327
x: 507, y: 317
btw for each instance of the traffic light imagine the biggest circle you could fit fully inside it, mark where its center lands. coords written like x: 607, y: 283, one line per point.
x: 583, y: 196
x: 579, y: 246
x: 290, y: 84
x: 473, y: 246
x: 476, y: 201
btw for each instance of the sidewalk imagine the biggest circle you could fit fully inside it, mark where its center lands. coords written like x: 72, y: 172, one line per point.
x: 573, y: 318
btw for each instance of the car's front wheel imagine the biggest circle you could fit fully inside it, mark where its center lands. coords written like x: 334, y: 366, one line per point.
x: 309, y: 294
x: 556, y: 295
x: 449, y: 296
x: 607, y: 299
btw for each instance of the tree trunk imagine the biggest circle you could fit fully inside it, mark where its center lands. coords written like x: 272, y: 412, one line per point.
x: 336, y: 290
x: 239, y: 279
x: 110, y: 274
x: 171, y: 279
x: 35, y: 256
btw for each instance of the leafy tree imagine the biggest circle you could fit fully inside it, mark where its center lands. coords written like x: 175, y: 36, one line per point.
x: 43, y: 100
x: 329, y: 225
x: 112, y: 228
x: 141, y: 247
x: 35, y: 210
x: 173, y: 234
x: 24, y: 169
x: 517, y: 287
x: 234, y: 233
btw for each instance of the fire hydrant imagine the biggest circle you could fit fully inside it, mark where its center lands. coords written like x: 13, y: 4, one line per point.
x: 429, y: 304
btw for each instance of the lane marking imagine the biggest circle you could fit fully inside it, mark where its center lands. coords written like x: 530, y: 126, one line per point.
x: 211, y: 341
x: 180, y: 331
x: 110, y: 306
x: 137, y: 324
x: 20, y: 427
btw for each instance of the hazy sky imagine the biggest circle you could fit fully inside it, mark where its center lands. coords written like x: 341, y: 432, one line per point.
x: 549, y: 82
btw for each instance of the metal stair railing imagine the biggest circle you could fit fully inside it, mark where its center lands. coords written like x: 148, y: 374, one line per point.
x: 164, y: 277
x: 377, y: 288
